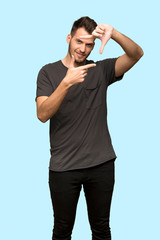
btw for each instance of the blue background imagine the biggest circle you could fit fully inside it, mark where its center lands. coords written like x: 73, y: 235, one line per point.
x: 33, y: 33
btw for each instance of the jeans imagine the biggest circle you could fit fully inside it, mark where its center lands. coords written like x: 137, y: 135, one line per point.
x: 65, y: 187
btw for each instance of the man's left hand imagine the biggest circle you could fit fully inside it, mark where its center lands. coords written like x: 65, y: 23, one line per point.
x: 103, y: 32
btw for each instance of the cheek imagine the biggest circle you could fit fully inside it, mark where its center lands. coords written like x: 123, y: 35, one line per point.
x: 73, y: 47
x: 89, y: 50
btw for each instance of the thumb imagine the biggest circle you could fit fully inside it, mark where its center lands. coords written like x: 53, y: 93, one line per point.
x: 101, y: 48
x: 104, y: 42
x: 72, y: 61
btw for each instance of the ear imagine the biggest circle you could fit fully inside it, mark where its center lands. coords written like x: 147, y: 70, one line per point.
x: 68, y: 38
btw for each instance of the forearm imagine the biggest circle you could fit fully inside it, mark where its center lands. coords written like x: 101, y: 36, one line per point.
x: 132, y: 49
x: 74, y: 75
x: 51, y: 105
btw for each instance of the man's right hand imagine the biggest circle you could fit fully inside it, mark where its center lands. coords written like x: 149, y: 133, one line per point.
x: 76, y: 75
x: 48, y: 106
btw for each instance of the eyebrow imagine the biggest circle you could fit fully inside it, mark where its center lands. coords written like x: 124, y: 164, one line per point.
x: 79, y: 39
x: 90, y: 43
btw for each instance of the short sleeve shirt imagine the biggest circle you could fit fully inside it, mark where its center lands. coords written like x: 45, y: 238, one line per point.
x: 79, y: 135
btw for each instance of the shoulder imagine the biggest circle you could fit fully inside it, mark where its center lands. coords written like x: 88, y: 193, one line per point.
x: 107, y: 65
x: 108, y: 62
x: 47, y: 71
x: 50, y: 66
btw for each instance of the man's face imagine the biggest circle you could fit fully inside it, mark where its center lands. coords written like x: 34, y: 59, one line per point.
x: 80, y: 48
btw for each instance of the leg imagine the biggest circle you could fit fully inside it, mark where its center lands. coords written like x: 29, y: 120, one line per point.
x: 65, y: 190
x: 98, y: 190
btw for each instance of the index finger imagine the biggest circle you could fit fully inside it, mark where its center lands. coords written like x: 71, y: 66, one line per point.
x: 87, y: 37
x: 88, y: 66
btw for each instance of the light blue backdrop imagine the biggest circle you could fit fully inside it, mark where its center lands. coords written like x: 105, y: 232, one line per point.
x: 33, y: 33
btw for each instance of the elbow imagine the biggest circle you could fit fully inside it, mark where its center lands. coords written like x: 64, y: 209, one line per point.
x: 41, y: 118
x: 140, y: 53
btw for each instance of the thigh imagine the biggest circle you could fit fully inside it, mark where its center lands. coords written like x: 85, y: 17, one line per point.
x: 98, y: 192
x: 64, y: 189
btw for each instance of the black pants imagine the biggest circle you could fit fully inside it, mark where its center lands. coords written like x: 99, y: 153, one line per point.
x: 65, y: 187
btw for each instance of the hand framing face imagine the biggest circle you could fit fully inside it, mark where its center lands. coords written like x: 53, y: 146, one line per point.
x: 102, y: 32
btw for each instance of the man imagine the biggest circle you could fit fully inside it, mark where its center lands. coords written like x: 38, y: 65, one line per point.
x: 72, y: 94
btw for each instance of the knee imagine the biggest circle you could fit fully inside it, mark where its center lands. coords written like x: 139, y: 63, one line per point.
x: 101, y: 231
x: 61, y: 236
x: 62, y: 231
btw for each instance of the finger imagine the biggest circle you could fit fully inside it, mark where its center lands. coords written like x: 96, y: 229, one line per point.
x: 103, y: 44
x: 88, y: 66
x: 101, y: 27
x: 87, y: 37
x: 98, y: 30
x: 83, y: 77
x: 72, y: 61
x: 97, y: 35
x: 85, y: 74
x: 101, y: 49
x: 84, y: 71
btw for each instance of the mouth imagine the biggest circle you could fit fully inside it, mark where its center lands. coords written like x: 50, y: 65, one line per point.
x: 80, y: 55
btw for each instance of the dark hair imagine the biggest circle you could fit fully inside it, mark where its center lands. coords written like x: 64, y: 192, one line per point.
x: 87, y: 23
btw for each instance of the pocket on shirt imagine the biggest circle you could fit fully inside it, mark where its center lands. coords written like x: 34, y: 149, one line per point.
x: 93, y: 96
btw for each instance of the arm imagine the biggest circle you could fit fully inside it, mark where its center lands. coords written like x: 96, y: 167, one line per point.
x: 48, y: 106
x: 133, y: 52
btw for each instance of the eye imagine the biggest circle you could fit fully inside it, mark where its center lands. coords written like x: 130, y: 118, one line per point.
x: 90, y: 45
x: 78, y: 41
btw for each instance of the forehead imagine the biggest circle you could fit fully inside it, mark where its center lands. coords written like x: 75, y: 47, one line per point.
x: 83, y: 32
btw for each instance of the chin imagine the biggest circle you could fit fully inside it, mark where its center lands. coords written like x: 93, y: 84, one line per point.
x: 80, y: 60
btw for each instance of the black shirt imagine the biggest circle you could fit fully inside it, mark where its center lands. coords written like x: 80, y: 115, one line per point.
x: 79, y: 136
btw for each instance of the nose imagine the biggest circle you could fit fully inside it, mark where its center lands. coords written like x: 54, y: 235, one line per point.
x: 83, y: 48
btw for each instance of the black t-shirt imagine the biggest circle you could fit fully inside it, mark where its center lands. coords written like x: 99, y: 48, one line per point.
x: 79, y: 136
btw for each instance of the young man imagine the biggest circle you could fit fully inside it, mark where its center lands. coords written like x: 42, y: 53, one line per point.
x: 72, y: 94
